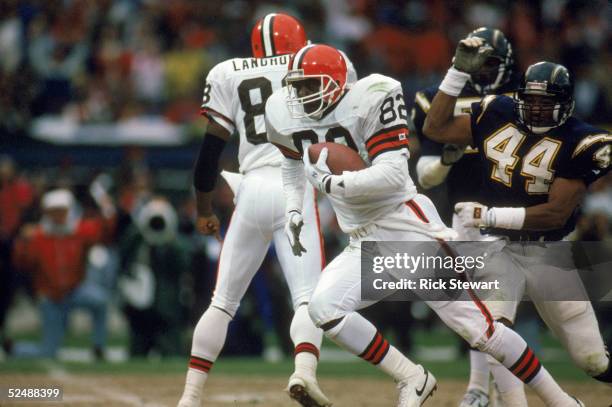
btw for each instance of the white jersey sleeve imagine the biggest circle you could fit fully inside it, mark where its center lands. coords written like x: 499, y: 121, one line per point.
x: 292, y: 168
x: 217, y: 101
x: 385, y: 125
x: 277, y: 119
x: 386, y: 141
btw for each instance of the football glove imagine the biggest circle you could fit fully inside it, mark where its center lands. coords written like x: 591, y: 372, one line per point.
x: 319, y: 174
x: 471, y: 54
x: 473, y: 214
x: 451, y: 153
x: 293, y: 227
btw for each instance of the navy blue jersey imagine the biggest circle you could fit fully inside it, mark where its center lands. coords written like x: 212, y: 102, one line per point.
x: 519, y: 167
x: 469, y: 166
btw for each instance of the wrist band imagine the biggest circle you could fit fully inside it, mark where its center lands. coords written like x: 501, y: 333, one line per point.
x: 506, y: 218
x: 454, y: 81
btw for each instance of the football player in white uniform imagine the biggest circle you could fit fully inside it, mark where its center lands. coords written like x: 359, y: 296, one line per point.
x: 378, y: 203
x: 235, y: 94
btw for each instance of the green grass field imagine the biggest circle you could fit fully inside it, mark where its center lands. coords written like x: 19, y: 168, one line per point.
x: 561, y: 366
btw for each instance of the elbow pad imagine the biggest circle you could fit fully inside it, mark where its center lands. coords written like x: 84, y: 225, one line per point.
x: 207, y: 165
x: 431, y: 172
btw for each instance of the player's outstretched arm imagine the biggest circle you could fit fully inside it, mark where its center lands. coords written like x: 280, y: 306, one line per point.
x: 205, y: 177
x: 564, y: 196
x: 440, y: 124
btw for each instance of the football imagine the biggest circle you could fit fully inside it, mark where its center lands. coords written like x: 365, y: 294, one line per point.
x: 339, y: 157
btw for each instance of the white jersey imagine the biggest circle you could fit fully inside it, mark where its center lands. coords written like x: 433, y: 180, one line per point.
x: 235, y: 96
x: 371, y: 119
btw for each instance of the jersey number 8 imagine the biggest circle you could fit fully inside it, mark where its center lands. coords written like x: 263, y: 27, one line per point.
x: 254, y: 108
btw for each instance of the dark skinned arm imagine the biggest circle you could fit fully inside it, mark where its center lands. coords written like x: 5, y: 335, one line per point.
x: 442, y: 126
x: 207, y: 222
x: 564, y: 195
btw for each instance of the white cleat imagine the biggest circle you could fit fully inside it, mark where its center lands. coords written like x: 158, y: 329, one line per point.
x: 475, y: 398
x: 306, y: 391
x: 415, y: 391
x: 578, y: 402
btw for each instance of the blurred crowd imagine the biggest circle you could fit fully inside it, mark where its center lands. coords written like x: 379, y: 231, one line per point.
x: 105, y: 61
x: 69, y: 245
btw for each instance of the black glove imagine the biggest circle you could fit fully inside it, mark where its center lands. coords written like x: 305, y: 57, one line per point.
x: 451, y: 153
x: 471, y: 54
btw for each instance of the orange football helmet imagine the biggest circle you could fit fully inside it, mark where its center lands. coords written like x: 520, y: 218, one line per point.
x: 277, y: 34
x: 325, y: 68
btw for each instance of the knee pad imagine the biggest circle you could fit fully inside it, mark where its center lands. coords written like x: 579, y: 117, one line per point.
x: 322, y: 311
x: 589, y: 355
x: 577, y: 324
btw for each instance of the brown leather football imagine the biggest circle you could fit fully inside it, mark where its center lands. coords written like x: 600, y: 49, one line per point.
x: 339, y: 157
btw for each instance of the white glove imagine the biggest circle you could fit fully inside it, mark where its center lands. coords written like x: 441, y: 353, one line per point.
x: 293, y: 227
x: 472, y: 214
x: 451, y: 153
x: 319, y: 174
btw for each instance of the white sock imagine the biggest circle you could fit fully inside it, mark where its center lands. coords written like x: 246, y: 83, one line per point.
x: 194, y: 384
x: 306, y: 364
x: 479, y: 371
x: 511, y: 388
x: 208, y: 340
x: 514, y: 398
x: 307, y: 340
x: 398, y: 366
x: 360, y: 337
x: 512, y: 351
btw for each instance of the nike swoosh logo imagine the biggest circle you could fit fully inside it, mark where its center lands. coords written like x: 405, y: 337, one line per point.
x: 420, y: 392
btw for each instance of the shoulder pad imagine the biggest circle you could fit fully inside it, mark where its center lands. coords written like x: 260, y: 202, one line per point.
x: 591, y: 140
x: 367, y: 92
x: 376, y: 83
x: 496, y: 103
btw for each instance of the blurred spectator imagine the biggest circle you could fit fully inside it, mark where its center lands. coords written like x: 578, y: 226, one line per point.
x: 117, y: 59
x: 148, y: 72
x: 10, y: 38
x: 54, y: 252
x: 154, y: 260
x: 15, y: 197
